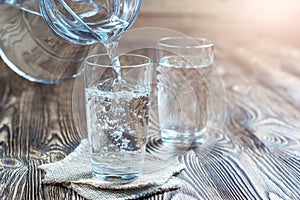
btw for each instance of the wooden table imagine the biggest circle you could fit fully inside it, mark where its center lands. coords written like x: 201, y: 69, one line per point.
x: 256, y: 156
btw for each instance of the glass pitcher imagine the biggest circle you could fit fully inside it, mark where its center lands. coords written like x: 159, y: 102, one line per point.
x: 46, y: 40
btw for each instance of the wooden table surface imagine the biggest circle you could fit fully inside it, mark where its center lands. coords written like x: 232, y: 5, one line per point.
x: 255, y: 156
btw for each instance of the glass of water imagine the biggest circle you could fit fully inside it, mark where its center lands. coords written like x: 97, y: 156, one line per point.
x: 183, y: 89
x: 117, y: 115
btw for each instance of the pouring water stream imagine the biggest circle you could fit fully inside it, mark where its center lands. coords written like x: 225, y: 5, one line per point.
x: 111, y: 46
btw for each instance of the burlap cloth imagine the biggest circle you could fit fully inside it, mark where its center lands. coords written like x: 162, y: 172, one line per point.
x: 74, y: 172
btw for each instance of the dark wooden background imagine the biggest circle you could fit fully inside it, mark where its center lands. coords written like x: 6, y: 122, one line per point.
x: 256, y: 156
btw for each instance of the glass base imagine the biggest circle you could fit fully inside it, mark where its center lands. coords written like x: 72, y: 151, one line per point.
x: 178, y: 138
x: 117, y: 178
x: 116, y: 174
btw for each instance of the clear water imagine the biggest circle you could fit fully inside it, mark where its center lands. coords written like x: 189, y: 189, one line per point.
x: 117, y: 126
x: 183, y: 98
x: 112, y: 51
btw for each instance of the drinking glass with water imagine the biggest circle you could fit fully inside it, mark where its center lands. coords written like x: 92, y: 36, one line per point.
x: 183, y: 89
x: 117, y: 118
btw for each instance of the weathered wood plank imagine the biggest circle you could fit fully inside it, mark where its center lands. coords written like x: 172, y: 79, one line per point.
x: 34, y: 128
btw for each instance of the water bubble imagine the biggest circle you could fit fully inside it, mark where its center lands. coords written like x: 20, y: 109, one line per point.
x: 98, y: 128
x: 112, y: 122
x: 124, y: 144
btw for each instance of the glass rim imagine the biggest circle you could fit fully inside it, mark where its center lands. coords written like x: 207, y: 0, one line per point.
x: 208, y: 43
x: 87, y: 62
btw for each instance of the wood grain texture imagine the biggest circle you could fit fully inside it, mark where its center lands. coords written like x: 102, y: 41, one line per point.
x: 255, y: 156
